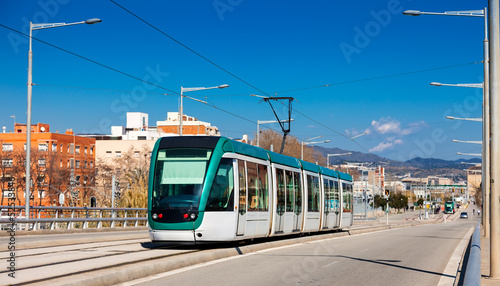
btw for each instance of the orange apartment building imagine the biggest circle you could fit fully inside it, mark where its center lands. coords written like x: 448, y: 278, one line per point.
x: 56, y: 159
x: 190, y: 125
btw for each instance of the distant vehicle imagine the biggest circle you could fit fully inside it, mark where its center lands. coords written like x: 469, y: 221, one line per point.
x: 450, y: 207
x: 464, y: 215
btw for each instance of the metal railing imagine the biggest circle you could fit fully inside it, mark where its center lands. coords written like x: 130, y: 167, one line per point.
x: 52, y: 218
x: 473, y: 270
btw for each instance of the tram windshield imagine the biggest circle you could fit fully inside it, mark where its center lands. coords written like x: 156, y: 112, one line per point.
x: 178, y: 178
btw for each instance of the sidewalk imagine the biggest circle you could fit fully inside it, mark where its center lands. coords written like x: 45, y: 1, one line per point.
x: 485, y: 262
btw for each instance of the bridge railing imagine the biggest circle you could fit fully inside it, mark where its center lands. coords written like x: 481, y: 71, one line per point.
x: 47, y: 217
x: 473, y: 270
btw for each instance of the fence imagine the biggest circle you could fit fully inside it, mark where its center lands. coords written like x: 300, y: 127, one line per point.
x: 71, y: 217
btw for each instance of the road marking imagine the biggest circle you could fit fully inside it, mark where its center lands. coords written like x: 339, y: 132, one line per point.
x: 330, y: 264
x: 450, y: 272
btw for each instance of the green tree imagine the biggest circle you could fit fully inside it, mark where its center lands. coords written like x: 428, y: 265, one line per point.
x: 420, y: 202
x: 379, y: 202
x: 398, y: 201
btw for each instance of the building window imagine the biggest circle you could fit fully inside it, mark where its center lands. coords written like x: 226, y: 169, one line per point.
x: 77, y: 150
x: 54, y: 147
x: 137, y: 154
x: 141, y: 137
x: 71, y: 148
x: 41, y: 162
x: 61, y: 148
x: 77, y: 165
x: 41, y: 194
x: 85, y: 150
x: 108, y: 153
x: 43, y: 147
x: 91, y: 150
x: 60, y: 164
x: 91, y: 164
x: 85, y: 165
x: 7, y: 147
x: 7, y: 163
x: 118, y: 153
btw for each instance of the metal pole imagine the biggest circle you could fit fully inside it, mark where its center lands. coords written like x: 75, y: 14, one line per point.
x: 258, y: 133
x: 302, y: 151
x: 28, y: 129
x: 180, y: 114
x: 113, y: 191
x: 494, y: 54
x: 366, y: 194
x: 486, y: 132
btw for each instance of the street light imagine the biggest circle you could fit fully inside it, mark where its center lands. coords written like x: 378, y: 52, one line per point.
x: 488, y: 92
x: 359, y: 135
x: 266, y: 122
x: 310, y: 143
x: 474, y: 85
x: 331, y: 155
x: 30, y: 86
x: 471, y: 142
x: 188, y: 89
x: 466, y: 119
x: 469, y: 154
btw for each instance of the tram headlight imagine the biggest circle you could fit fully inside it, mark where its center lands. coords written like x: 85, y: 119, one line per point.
x: 193, y: 216
x: 155, y: 216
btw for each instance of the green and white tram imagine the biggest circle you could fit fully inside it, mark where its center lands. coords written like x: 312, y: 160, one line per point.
x: 206, y: 189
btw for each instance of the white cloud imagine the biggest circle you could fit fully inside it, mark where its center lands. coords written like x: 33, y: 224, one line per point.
x: 386, y: 125
x: 386, y: 144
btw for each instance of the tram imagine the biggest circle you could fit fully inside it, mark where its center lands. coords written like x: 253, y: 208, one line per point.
x: 206, y: 189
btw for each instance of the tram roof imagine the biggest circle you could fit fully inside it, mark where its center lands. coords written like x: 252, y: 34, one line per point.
x: 283, y: 160
x: 344, y: 176
x: 244, y: 149
x: 328, y: 172
x: 308, y: 166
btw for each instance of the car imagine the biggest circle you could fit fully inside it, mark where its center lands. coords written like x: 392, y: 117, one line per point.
x: 464, y: 215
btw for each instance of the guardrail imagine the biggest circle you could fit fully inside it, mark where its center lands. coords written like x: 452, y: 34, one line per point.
x: 71, y: 217
x: 473, y: 270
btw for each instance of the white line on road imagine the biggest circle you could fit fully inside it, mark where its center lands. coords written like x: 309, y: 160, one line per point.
x: 330, y: 264
x: 452, y: 267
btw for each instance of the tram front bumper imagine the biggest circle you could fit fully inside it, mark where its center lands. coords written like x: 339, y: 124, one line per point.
x: 175, y: 236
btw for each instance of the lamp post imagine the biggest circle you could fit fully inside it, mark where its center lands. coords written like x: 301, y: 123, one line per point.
x: 466, y: 119
x: 470, y: 154
x: 30, y: 86
x: 490, y: 174
x: 188, y: 89
x: 331, y: 155
x: 266, y: 122
x: 310, y: 143
x: 359, y: 135
x: 471, y: 142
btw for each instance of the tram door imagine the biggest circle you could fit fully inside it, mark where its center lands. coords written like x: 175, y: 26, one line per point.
x: 242, y: 198
x: 297, y: 185
x: 280, y: 202
x: 326, y: 187
x: 336, y: 202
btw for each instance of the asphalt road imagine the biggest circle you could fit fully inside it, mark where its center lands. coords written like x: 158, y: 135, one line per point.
x: 405, y: 256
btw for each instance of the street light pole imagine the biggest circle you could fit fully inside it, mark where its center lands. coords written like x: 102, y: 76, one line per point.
x: 331, y: 155
x: 494, y: 54
x: 188, y: 89
x: 28, y: 112
x: 309, y: 143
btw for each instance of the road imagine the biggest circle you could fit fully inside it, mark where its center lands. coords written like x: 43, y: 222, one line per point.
x: 105, y: 258
x: 404, y: 256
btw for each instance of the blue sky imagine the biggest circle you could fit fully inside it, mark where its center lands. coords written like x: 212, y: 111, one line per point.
x: 377, y: 62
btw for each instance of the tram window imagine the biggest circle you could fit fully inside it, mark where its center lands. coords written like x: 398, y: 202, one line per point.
x: 280, y: 178
x: 298, y: 193
x: 221, y: 194
x: 179, y: 176
x: 326, y: 189
x: 289, y: 191
x: 312, y: 193
x: 253, y: 196
x: 258, y: 189
x: 347, y: 197
x: 263, y: 188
